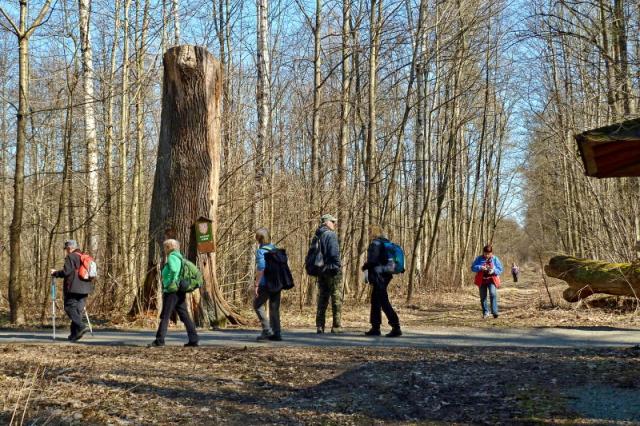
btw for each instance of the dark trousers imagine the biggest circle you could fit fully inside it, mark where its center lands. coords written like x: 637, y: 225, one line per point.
x: 272, y: 322
x: 515, y: 277
x: 177, y: 302
x: 380, y: 303
x: 74, y: 307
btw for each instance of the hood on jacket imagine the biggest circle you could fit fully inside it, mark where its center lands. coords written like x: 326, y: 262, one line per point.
x: 322, y: 230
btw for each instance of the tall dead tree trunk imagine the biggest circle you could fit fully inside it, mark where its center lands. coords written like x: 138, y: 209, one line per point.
x: 187, y: 174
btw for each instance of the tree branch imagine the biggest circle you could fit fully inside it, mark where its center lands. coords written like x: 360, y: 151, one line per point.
x: 16, y: 31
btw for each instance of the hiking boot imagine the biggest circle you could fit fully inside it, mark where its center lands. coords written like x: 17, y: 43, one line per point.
x: 191, y: 344
x: 395, y: 332
x: 275, y: 338
x: 79, y: 335
x: 155, y: 344
x: 337, y: 330
x: 320, y: 330
x: 373, y: 332
x: 264, y: 336
x: 496, y: 315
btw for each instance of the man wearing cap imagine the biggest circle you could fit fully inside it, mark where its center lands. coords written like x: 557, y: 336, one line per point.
x: 75, y: 290
x: 330, y: 280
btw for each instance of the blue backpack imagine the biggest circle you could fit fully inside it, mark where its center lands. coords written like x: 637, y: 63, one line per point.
x: 395, y: 254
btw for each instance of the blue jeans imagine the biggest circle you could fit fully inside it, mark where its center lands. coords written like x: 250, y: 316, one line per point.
x: 493, y: 294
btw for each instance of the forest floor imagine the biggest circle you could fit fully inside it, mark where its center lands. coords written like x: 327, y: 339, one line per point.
x: 278, y: 384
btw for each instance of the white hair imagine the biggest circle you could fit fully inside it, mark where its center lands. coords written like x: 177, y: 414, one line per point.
x: 171, y: 244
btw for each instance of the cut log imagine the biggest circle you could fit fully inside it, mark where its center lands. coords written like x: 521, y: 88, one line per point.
x: 586, y: 277
x: 187, y: 177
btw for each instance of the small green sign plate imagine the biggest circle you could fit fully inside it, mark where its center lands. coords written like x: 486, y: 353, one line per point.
x: 204, y: 235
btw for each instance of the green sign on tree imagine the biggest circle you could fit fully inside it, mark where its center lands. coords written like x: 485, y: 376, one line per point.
x: 204, y: 235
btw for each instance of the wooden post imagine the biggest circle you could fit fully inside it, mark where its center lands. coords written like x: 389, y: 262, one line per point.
x: 187, y: 176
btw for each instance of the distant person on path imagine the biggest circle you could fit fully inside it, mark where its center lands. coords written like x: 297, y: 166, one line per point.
x: 514, y: 272
x: 379, y: 278
x: 74, y: 289
x: 172, y: 298
x: 271, y: 324
x: 330, y: 279
x: 488, y: 269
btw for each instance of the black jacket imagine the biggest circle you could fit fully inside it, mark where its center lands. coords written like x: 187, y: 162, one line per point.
x: 330, y: 249
x: 73, y: 283
x: 377, y: 264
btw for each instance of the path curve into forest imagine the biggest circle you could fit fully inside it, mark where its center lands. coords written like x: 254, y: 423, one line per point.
x: 424, y: 338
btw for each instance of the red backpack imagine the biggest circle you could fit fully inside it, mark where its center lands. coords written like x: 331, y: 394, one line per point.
x: 88, y: 270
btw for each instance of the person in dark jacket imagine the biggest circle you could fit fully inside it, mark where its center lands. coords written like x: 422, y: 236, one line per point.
x: 379, y: 277
x: 270, y: 324
x: 330, y: 280
x: 172, y: 298
x: 74, y: 289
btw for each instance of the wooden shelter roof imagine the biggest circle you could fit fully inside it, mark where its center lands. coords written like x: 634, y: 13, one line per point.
x: 611, y: 151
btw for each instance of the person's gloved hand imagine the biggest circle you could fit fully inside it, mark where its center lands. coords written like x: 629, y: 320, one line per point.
x: 365, y: 267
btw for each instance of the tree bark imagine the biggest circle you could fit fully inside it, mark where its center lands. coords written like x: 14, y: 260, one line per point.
x: 123, y: 152
x: 91, y: 234
x: 23, y: 33
x: 111, y: 245
x: 187, y: 174
x: 586, y: 277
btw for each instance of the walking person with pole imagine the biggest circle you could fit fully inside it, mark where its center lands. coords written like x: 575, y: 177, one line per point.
x: 78, y: 273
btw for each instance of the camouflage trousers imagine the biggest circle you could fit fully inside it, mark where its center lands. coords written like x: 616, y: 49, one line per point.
x: 329, y: 288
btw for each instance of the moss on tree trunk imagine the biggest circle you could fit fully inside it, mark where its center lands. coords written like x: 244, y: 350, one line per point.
x: 586, y: 277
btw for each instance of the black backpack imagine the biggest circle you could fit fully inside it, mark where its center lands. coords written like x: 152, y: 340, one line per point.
x: 314, y: 262
x: 277, y: 273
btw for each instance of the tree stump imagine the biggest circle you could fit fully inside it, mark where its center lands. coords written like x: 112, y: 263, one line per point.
x: 586, y: 277
x: 187, y: 177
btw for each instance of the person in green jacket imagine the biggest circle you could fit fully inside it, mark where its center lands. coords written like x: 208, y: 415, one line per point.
x: 172, y: 299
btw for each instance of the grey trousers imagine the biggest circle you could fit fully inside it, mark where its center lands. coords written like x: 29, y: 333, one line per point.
x: 270, y: 324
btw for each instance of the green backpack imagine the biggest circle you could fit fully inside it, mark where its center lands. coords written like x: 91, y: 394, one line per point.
x: 190, y: 277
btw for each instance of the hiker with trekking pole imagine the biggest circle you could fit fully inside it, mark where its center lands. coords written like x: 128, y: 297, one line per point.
x: 78, y: 273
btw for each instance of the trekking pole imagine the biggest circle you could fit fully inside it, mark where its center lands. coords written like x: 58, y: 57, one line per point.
x: 86, y: 313
x: 53, y: 305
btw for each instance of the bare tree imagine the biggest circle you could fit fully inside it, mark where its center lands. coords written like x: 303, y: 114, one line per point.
x: 23, y: 31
